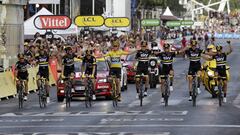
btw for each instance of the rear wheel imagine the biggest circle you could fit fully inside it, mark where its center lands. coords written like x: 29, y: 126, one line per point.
x: 60, y: 99
x: 220, y: 97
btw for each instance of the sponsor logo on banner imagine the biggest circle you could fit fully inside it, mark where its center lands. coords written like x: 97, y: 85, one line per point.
x: 89, y: 21
x: 117, y: 22
x: 52, y: 22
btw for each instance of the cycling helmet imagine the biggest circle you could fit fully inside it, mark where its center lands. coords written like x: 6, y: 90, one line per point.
x: 68, y: 48
x: 144, y: 43
x: 219, y: 48
x: 88, y: 52
x: 153, y: 44
x: 193, y: 42
x: 210, y: 47
x: 166, y: 46
x: 20, y: 55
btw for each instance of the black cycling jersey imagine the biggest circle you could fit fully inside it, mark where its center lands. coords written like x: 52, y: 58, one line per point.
x: 89, y: 62
x: 142, y: 57
x: 22, y: 66
x: 221, y: 59
x: 68, y: 60
x: 194, y: 56
x: 166, y: 57
x: 42, y: 60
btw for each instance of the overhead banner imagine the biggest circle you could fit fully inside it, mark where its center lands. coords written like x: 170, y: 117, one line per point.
x: 179, y: 23
x: 52, y: 22
x: 89, y: 21
x: 173, y: 23
x: 150, y: 22
x: 187, y: 23
x: 117, y: 22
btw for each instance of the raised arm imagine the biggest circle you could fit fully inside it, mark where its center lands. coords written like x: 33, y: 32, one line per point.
x: 230, y: 48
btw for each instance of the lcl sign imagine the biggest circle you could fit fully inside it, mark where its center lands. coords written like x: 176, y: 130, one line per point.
x: 52, y: 22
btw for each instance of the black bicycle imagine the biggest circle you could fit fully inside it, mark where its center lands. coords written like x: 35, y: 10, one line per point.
x: 220, y: 90
x: 194, y: 90
x: 166, y: 89
x: 42, y: 93
x: 89, y: 92
x: 20, y: 91
x: 114, y: 93
x: 141, y: 88
x: 68, y: 91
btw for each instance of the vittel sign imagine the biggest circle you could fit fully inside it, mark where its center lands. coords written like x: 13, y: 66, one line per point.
x: 52, y: 22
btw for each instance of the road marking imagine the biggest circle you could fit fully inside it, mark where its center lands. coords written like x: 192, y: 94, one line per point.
x: 30, y: 120
x: 95, y: 133
x: 206, y: 102
x: 236, y: 102
x: 120, y: 126
x: 85, y: 113
x: 104, y: 121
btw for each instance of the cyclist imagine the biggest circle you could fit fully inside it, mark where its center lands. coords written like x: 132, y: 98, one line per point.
x: 115, y: 65
x: 166, y: 58
x: 89, y: 61
x: 194, y: 55
x: 68, y: 62
x: 43, y: 71
x: 142, y: 58
x: 21, y: 73
x: 221, y: 59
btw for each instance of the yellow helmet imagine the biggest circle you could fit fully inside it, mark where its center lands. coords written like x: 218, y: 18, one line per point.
x: 210, y: 47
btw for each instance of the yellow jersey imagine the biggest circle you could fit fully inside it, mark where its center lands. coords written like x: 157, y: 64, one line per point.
x: 115, y: 58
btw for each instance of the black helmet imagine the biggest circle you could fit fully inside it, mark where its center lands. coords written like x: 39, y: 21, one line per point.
x: 154, y: 44
x: 143, y: 43
x: 20, y: 55
x: 68, y: 48
x: 193, y: 42
x: 219, y: 48
x: 166, y: 45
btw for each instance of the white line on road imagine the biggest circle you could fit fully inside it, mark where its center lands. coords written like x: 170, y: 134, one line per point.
x: 115, y: 113
x: 95, y: 133
x: 121, y: 126
x: 236, y: 102
x: 104, y: 121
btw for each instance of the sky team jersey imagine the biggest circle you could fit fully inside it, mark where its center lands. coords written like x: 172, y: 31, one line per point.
x: 115, y: 57
x: 167, y: 57
x: 42, y: 60
x: 221, y: 59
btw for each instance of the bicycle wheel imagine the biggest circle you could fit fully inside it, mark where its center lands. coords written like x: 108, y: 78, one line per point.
x: 141, y: 92
x: 68, y: 95
x: 166, y: 93
x: 194, y: 94
x: 88, y: 96
x: 114, y: 94
x: 42, y: 96
x: 20, y: 96
x: 220, y: 98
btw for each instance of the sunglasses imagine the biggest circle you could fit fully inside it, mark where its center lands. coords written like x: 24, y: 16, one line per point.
x: 115, y: 46
x: 144, y: 46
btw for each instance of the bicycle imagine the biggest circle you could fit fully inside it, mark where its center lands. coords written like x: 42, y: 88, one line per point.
x: 141, y: 83
x: 194, y: 91
x: 68, y: 93
x: 42, y: 93
x: 89, y: 92
x: 114, y: 93
x: 20, y: 91
x: 166, y: 89
x: 220, y: 91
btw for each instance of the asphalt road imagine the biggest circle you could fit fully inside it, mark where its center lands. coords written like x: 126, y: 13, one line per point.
x: 153, y: 118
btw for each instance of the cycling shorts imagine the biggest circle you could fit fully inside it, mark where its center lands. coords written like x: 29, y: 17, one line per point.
x: 22, y: 76
x: 165, y: 69
x: 116, y: 71
x: 194, y: 69
x: 89, y: 71
x: 142, y: 70
x: 44, y: 72
x: 68, y: 70
x: 222, y: 72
